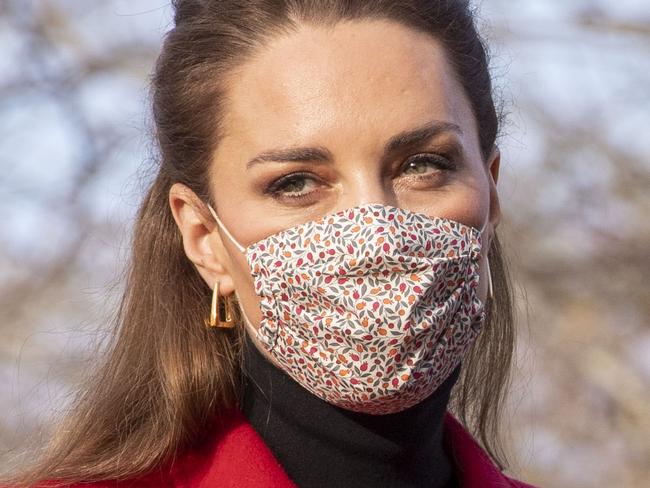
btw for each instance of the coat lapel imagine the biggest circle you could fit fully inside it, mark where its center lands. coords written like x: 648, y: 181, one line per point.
x: 232, y: 456
x: 474, y: 467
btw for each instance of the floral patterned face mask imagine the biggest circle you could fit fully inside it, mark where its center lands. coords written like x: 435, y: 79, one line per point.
x: 370, y: 308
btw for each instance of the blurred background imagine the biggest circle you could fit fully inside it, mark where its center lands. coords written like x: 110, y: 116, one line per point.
x: 574, y: 77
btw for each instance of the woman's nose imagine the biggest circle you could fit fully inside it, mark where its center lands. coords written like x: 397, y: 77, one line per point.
x: 368, y: 188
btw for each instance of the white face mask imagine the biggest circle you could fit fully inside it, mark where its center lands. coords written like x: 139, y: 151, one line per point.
x: 370, y: 308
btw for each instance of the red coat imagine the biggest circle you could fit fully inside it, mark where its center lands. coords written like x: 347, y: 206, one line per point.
x: 235, y: 456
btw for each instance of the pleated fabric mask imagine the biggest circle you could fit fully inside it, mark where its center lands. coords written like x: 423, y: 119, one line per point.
x: 370, y: 308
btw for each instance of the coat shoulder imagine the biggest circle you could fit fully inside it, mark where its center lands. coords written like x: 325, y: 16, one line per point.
x: 230, y: 454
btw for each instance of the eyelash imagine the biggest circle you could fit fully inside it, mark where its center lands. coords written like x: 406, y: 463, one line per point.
x: 275, y: 188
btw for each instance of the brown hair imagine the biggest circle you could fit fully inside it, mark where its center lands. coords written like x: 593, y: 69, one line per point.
x: 165, y: 374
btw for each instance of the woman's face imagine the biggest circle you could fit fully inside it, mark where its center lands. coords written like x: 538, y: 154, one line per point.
x: 326, y: 119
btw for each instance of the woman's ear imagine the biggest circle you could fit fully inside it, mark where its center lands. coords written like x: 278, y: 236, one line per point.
x: 493, y: 176
x: 202, y: 244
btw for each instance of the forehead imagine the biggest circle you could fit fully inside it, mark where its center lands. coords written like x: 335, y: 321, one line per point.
x: 356, y: 83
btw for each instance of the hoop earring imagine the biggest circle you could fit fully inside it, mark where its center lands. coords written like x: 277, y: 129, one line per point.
x: 215, y: 320
x: 490, y: 290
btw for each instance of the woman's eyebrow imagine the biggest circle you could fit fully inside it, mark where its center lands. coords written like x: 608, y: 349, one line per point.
x: 318, y: 154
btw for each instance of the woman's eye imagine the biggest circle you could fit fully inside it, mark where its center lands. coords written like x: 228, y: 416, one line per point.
x: 423, y: 164
x: 294, y: 185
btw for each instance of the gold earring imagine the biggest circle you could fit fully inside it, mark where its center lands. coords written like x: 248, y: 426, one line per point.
x: 215, y: 320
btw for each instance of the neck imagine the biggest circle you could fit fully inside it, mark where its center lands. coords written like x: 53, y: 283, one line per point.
x: 319, y: 444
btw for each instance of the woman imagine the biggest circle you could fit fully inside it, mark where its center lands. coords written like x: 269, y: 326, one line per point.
x: 327, y: 184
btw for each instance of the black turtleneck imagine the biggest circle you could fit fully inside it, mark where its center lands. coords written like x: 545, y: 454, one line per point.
x: 321, y: 445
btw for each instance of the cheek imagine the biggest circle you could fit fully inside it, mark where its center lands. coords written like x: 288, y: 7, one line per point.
x: 465, y: 200
x: 240, y: 270
x: 245, y: 288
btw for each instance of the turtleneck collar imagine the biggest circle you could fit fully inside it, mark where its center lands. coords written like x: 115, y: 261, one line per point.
x: 322, y: 445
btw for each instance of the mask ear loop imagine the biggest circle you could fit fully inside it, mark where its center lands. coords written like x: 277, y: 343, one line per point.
x: 223, y: 227
x: 490, y: 289
x: 251, y: 329
x: 487, y: 263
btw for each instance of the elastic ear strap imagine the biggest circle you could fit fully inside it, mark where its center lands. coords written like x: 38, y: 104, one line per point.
x: 223, y: 227
x: 487, y: 219
x: 489, y: 273
x: 487, y: 261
